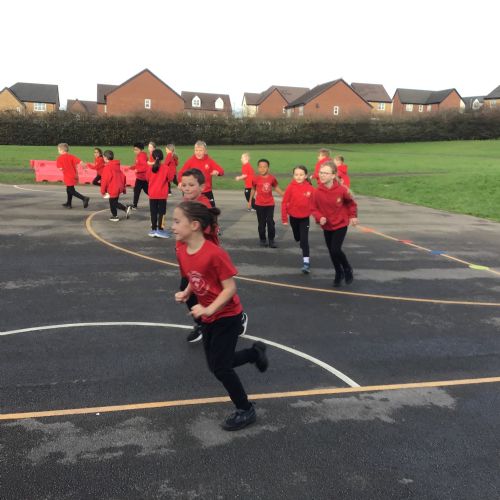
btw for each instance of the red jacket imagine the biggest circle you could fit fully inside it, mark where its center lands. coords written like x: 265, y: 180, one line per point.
x: 336, y: 204
x: 297, y: 200
x: 206, y: 165
x: 318, y: 166
x: 98, y: 166
x: 342, y: 173
x: 113, y: 179
x: 158, y: 182
x: 140, y: 166
x: 68, y: 163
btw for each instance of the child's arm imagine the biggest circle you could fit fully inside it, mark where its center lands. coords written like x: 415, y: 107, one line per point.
x: 184, y: 295
x: 216, y: 169
x: 284, y: 206
x: 241, y: 177
x: 252, y: 194
x: 279, y: 190
x: 228, y: 292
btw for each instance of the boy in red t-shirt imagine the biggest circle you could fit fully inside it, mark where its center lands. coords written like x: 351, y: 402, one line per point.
x: 262, y: 189
x: 68, y: 164
x: 342, y: 171
x: 323, y: 155
x: 247, y: 174
x: 211, y: 278
x: 113, y: 184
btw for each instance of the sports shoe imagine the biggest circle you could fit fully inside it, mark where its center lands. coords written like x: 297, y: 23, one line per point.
x: 349, y: 278
x: 86, y: 202
x: 272, y: 244
x: 66, y: 205
x: 338, y: 279
x: 152, y: 233
x: 263, y: 243
x: 244, y: 323
x: 114, y: 219
x: 127, y: 212
x: 306, y: 268
x: 160, y: 233
x: 240, y: 419
x: 196, y: 334
x: 261, y: 362
x: 134, y: 207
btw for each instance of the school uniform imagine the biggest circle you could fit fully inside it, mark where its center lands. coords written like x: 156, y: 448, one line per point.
x: 68, y: 164
x: 264, y: 205
x: 113, y: 182
x: 317, y: 167
x: 141, y: 183
x: 342, y: 173
x: 247, y: 169
x: 98, y: 166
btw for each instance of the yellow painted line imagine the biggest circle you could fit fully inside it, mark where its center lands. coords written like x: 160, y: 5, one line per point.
x: 456, y: 259
x: 88, y: 225
x: 270, y: 395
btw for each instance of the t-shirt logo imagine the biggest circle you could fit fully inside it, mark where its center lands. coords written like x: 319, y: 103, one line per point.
x: 266, y: 187
x: 307, y: 194
x: 339, y: 200
x: 198, y: 283
x: 207, y: 166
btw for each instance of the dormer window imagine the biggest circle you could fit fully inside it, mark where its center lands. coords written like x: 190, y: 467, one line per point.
x: 219, y: 103
x: 196, y: 102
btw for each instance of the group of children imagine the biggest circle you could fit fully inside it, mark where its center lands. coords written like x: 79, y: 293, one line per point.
x: 207, y: 273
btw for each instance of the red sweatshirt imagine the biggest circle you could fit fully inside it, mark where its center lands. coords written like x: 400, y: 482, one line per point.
x: 334, y: 203
x: 247, y: 169
x: 98, y: 165
x: 158, y: 182
x: 140, y: 166
x: 68, y: 163
x: 206, y: 166
x: 297, y: 200
x: 113, y: 179
x: 317, y: 167
x: 342, y: 173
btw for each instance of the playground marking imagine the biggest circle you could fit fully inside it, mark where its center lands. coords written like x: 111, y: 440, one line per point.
x: 88, y: 225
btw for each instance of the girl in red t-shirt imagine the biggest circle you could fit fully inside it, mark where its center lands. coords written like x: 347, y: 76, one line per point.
x: 247, y: 174
x: 211, y: 278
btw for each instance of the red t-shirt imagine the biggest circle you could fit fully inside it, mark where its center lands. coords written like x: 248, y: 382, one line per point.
x: 317, y: 167
x: 67, y: 163
x: 246, y: 169
x: 140, y: 166
x: 264, y: 185
x: 205, y: 270
x: 206, y: 166
x: 98, y: 165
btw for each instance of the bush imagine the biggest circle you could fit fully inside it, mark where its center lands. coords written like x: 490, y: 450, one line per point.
x: 34, y: 129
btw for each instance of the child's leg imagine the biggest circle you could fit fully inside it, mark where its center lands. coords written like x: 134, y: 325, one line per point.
x: 69, y: 194
x: 153, y: 209
x: 247, y: 194
x: 295, y: 225
x: 304, y: 237
x: 137, y: 192
x: 162, y: 210
x: 144, y: 186
x: 97, y: 180
x: 210, y: 196
x: 119, y: 205
x: 271, y: 230
x: 113, y: 204
x: 334, y: 240
x: 219, y: 342
x: 76, y: 194
x: 261, y: 221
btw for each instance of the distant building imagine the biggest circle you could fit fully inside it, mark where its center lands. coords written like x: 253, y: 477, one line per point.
x: 376, y: 95
x: 78, y: 107
x: 102, y: 90
x: 492, y: 100
x: 201, y: 103
x: 30, y: 98
x: 417, y: 102
x: 271, y: 102
x: 473, y: 103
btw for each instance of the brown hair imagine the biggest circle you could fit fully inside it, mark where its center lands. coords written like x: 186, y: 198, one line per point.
x: 339, y: 158
x: 324, y: 152
x: 64, y: 146
x: 195, y: 211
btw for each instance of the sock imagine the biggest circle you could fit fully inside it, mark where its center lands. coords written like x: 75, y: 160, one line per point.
x: 306, y: 260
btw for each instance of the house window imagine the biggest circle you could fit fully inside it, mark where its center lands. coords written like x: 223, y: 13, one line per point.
x: 317, y: 105
x: 429, y: 107
x: 336, y: 111
x: 39, y: 106
x: 381, y: 106
x: 284, y: 110
x: 18, y: 109
x: 196, y: 102
x: 420, y: 108
x: 493, y: 103
x: 301, y: 110
x: 105, y: 108
x: 409, y: 107
x: 288, y: 112
x: 219, y: 103
x: 147, y: 103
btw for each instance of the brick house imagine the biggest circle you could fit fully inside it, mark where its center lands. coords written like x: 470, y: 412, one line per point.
x: 201, y: 103
x: 81, y: 107
x: 272, y: 102
x: 335, y: 99
x: 30, y: 98
x: 376, y: 95
x: 415, y: 102
x: 102, y: 90
x: 142, y: 93
x: 492, y: 100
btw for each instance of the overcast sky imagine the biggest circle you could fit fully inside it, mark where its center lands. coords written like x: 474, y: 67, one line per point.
x: 234, y: 47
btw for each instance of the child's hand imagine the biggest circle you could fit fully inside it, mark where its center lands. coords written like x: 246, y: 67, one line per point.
x: 322, y: 221
x: 354, y: 221
x: 285, y: 223
x: 215, y: 173
x: 197, y: 311
x: 181, y: 297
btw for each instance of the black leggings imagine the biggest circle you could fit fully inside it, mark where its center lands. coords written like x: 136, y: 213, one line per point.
x: 247, y: 196
x: 70, y: 192
x: 97, y: 180
x: 219, y: 341
x: 114, y: 204
x: 265, y: 217
x: 158, y: 209
x: 300, y: 228
x: 210, y: 196
x: 334, y: 240
x: 139, y: 186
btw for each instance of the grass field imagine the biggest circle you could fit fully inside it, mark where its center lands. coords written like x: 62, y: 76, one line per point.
x: 457, y: 176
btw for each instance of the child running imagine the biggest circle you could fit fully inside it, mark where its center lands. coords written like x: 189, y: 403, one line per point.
x: 141, y: 168
x: 262, y: 188
x: 172, y: 165
x: 342, y: 171
x: 333, y: 208
x: 98, y: 166
x: 158, y: 177
x: 296, y: 205
x: 211, y: 278
x: 113, y: 184
x: 323, y: 155
x: 247, y: 174
x: 68, y: 164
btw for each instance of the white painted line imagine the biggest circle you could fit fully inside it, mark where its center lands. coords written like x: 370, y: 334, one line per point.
x: 300, y: 354
x: 35, y: 190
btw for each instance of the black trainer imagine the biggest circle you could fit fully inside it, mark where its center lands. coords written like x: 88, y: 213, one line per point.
x: 196, y: 334
x: 240, y: 419
x: 261, y: 362
x: 86, y: 202
x: 244, y: 323
x: 272, y: 244
x: 263, y: 243
x: 66, y: 205
x: 349, y: 277
x: 338, y: 279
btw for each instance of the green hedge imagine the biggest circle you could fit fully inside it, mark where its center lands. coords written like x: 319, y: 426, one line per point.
x: 33, y: 129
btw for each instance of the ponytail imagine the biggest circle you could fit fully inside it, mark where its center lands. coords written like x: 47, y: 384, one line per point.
x: 195, y: 211
x: 157, y: 157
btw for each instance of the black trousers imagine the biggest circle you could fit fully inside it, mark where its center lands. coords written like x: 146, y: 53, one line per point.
x: 158, y: 209
x: 97, y: 180
x: 139, y: 186
x: 247, y: 196
x: 265, y: 217
x: 300, y: 228
x: 334, y: 240
x: 219, y: 341
x: 192, y: 301
x: 70, y: 192
x: 210, y: 196
x: 114, y: 205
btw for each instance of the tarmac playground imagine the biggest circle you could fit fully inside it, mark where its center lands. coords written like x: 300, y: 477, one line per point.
x: 387, y: 388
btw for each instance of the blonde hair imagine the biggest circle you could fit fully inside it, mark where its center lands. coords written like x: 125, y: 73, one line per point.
x: 201, y: 144
x: 329, y: 163
x: 170, y: 147
x: 63, y: 146
x: 339, y: 158
x: 324, y: 152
